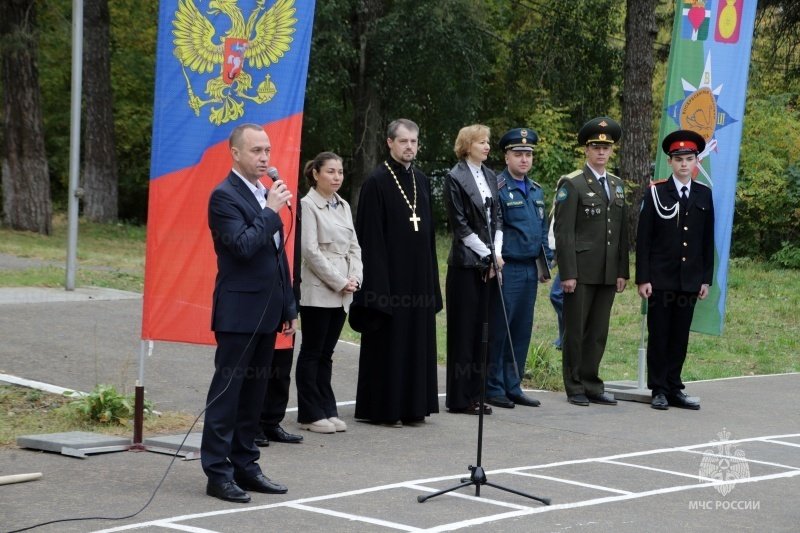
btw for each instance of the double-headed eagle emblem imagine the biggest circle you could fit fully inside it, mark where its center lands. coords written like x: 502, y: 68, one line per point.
x: 256, y: 43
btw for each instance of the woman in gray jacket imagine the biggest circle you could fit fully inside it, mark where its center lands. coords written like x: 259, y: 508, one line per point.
x: 331, y: 272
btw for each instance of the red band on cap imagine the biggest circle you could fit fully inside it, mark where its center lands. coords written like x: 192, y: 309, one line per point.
x: 683, y: 146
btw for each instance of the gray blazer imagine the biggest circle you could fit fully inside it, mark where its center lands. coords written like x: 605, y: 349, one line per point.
x: 330, y: 252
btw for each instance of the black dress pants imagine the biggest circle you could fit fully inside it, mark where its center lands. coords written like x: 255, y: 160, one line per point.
x: 233, y: 406
x: 468, y: 299
x: 321, y: 329
x: 278, y: 384
x: 669, y: 317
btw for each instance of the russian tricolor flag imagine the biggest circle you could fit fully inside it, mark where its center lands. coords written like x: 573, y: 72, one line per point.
x: 219, y: 63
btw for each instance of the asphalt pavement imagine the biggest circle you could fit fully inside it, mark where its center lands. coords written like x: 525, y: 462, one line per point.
x: 733, y: 465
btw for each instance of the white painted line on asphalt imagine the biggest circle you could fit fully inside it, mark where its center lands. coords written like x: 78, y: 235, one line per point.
x: 571, y: 482
x: 181, y: 527
x: 524, y: 511
x: 38, y: 385
x: 480, y: 499
x: 743, y: 459
x: 478, y: 521
x: 368, y: 520
x: 348, y: 342
x: 783, y: 443
x: 663, y: 471
x: 597, y: 501
x: 745, y: 377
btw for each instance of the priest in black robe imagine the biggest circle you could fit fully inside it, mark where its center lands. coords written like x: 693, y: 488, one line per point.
x: 396, y: 306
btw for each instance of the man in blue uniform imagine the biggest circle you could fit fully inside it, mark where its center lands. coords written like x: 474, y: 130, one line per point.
x: 524, y: 240
x: 674, y: 265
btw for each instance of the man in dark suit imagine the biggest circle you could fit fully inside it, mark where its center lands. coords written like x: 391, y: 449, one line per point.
x: 674, y: 265
x: 591, y: 230
x: 252, y: 301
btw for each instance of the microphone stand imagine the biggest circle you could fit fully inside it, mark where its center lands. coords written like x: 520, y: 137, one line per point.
x: 477, y: 475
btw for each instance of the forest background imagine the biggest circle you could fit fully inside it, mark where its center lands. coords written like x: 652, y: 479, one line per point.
x: 545, y: 65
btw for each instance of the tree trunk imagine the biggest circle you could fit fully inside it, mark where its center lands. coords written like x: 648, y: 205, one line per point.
x: 637, y: 104
x: 368, y: 134
x: 100, y: 178
x: 25, y: 178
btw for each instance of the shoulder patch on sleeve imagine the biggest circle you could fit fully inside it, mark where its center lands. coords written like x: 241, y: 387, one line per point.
x: 562, y: 194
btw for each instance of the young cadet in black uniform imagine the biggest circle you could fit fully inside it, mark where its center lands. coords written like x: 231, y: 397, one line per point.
x: 674, y: 265
x: 591, y: 229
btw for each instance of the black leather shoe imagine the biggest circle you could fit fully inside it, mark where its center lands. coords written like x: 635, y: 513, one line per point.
x: 261, y: 440
x: 473, y: 409
x: 578, y: 399
x: 604, y: 398
x: 659, y: 402
x: 261, y: 483
x: 679, y: 399
x: 524, y: 399
x: 278, y: 434
x: 500, y: 401
x: 228, y: 491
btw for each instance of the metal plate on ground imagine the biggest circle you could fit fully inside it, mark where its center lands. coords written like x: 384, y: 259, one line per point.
x: 73, y: 440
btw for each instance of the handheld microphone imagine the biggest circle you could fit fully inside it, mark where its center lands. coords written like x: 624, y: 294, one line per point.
x: 272, y: 172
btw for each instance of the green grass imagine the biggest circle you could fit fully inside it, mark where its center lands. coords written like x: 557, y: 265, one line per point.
x: 108, y: 255
x: 26, y: 411
x: 761, y: 336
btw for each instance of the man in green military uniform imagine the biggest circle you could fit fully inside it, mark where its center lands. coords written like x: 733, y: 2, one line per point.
x: 592, y: 248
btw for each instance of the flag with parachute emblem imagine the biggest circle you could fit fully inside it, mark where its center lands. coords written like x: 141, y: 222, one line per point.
x: 705, y: 92
x: 219, y: 63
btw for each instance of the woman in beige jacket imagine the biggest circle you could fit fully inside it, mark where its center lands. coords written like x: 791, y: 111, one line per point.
x: 331, y: 272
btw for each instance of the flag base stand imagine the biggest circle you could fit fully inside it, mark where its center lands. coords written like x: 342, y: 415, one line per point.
x: 629, y: 391
x: 635, y: 391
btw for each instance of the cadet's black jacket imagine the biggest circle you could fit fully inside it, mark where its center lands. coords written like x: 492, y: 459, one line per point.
x: 676, y: 254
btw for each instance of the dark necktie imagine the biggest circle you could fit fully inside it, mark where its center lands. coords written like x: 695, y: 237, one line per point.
x: 603, y: 185
x: 684, y: 199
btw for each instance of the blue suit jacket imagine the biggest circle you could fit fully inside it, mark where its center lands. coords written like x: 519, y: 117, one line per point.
x: 253, y: 290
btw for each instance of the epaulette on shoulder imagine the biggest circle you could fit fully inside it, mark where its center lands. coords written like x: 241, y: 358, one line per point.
x: 657, y: 182
x: 501, y: 181
x: 613, y: 176
x: 536, y: 183
x: 695, y: 182
x: 569, y: 176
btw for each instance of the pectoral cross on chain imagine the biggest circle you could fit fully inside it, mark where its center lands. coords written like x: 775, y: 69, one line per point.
x: 414, y: 219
